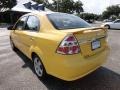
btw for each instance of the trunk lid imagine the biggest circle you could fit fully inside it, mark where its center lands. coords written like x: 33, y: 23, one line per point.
x: 91, y: 40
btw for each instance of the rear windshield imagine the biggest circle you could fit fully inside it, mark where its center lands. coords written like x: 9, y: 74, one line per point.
x: 67, y: 21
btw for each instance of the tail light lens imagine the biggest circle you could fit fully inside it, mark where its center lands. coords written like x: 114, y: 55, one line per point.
x: 69, y: 46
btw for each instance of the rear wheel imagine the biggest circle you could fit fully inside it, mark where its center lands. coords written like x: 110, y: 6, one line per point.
x: 107, y: 26
x: 38, y: 67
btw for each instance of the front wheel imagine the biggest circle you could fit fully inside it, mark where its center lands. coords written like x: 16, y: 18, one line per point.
x: 107, y: 26
x: 38, y: 67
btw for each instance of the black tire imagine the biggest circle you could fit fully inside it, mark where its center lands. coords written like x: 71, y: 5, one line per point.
x: 12, y: 45
x: 41, y: 74
x: 107, y: 26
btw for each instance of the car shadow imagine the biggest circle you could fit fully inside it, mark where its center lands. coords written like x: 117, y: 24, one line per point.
x: 101, y: 79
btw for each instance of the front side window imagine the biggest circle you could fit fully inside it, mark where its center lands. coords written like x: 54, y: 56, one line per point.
x: 32, y: 23
x: 67, y: 21
x: 21, y: 23
x: 117, y: 21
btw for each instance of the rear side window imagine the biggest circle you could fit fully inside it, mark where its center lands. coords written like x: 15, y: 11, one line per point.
x: 32, y: 23
x: 67, y: 21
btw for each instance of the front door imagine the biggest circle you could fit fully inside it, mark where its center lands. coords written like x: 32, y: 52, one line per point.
x: 18, y: 32
x: 116, y: 24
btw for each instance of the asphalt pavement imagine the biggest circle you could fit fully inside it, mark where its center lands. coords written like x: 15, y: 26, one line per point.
x: 16, y: 71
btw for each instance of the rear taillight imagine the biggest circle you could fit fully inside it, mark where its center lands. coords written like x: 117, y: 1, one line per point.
x: 69, y: 45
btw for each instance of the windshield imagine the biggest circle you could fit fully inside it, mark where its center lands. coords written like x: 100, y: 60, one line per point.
x: 67, y: 21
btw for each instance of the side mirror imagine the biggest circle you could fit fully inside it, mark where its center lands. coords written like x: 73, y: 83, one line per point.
x: 10, y: 27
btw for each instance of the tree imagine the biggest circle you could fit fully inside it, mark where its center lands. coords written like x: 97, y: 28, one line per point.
x: 7, y: 4
x: 90, y: 17
x: 111, y: 10
x: 78, y: 7
x: 41, y: 1
x: 66, y: 6
x: 45, y: 2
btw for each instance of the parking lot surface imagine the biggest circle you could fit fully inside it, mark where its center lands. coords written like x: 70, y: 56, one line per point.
x: 16, y: 71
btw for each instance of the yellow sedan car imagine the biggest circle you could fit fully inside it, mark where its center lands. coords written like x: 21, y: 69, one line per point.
x: 60, y: 44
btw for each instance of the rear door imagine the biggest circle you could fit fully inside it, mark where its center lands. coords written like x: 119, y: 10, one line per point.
x: 31, y: 30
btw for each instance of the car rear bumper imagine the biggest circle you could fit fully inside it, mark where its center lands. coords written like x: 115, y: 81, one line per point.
x: 70, y: 68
